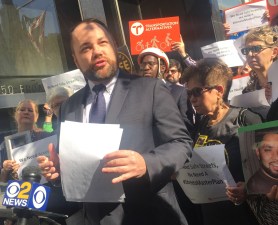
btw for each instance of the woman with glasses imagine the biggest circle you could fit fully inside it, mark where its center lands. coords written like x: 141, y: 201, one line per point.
x: 208, y: 86
x: 261, y: 51
x: 26, y: 116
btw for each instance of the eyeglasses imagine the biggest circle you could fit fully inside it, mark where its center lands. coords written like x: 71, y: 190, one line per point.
x: 254, y: 49
x: 173, y: 71
x: 150, y: 64
x: 198, y: 91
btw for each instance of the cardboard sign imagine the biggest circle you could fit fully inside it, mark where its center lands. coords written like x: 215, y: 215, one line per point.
x: 246, y: 16
x: 258, y: 147
x: 158, y: 33
x: 272, y: 6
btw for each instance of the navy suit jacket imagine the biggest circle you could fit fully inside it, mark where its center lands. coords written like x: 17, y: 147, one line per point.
x: 152, y: 125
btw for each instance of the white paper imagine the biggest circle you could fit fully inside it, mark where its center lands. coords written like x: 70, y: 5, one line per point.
x: 26, y: 155
x: 239, y: 43
x: 205, y: 177
x: 73, y: 80
x: 251, y: 99
x: 273, y: 77
x: 224, y: 50
x: 82, y: 147
x: 239, y: 83
x: 246, y: 16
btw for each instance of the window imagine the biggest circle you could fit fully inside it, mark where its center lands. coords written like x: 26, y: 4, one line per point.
x: 30, y: 39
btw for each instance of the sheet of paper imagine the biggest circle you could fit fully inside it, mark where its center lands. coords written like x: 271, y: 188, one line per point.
x: 224, y: 50
x: 73, y: 80
x: 246, y: 16
x: 26, y: 155
x: 239, y: 83
x: 273, y: 78
x: 82, y: 148
x: 205, y: 177
x: 251, y: 99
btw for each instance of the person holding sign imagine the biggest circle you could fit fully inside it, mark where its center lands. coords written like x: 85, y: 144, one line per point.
x: 208, y: 85
x: 26, y: 116
x: 261, y: 51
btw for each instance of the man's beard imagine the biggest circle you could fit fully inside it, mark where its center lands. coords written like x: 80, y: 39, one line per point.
x: 268, y: 171
x: 103, y: 74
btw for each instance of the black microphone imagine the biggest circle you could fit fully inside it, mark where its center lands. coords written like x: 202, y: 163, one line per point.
x: 31, y: 174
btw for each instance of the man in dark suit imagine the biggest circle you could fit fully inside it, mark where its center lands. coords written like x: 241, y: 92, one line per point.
x: 154, y: 145
x: 154, y: 63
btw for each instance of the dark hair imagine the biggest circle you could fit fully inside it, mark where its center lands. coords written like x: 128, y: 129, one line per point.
x: 210, y: 72
x: 259, y: 135
x: 176, y: 63
x: 100, y: 24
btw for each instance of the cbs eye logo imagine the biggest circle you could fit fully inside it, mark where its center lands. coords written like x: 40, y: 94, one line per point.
x: 39, y: 196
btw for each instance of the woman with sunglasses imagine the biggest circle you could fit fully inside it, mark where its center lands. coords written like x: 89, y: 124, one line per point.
x: 261, y: 51
x: 208, y: 86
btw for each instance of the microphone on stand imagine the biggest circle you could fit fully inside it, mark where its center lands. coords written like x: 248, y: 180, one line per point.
x: 31, y: 174
x: 27, y: 199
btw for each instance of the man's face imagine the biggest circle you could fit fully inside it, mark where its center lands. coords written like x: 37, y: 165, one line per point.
x: 93, y: 52
x: 149, y: 66
x: 173, y: 75
x: 268, y: 154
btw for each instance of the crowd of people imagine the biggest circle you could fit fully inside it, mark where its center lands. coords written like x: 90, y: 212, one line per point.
x: 164, y: 116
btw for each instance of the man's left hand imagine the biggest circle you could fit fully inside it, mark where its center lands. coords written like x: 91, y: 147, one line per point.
x: 128, y: 163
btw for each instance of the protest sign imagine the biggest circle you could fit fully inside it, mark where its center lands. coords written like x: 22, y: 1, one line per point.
x: 158, y: 33
x: 239, y: 83
x: 272, y: 6
x: 246, y: 16
x: 26, y: 155
x: 224, y: 50
x: 259, y: 150
x: 205, y: 177
x: 273, y: 78
x: 73, y: 80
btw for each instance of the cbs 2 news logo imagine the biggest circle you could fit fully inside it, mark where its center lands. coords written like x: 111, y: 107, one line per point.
x: 26, y: 194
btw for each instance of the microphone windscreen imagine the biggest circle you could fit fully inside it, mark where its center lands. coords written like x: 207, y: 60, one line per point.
x: 31, y: 173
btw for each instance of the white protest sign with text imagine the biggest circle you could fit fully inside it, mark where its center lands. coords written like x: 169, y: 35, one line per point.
x: 239, y: 83
x: 246, y: 16
x: 26, y: 155
x: 73, y: 80
x: 224, y: 50
x: 273, y: 78
x: 205, y: 177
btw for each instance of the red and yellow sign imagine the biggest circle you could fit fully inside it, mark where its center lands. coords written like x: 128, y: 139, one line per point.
x: 159, y: 33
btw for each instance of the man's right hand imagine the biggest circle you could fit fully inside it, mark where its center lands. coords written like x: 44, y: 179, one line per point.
x: 50, y: 167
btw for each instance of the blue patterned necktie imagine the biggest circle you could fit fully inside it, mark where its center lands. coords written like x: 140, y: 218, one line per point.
x: 98, y: 109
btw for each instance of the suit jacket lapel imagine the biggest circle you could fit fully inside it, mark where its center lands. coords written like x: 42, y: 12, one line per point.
x: 118, y: 97
x: 77, y: 105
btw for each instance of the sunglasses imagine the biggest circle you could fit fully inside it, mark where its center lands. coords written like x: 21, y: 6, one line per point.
x: 253, y: 49
x: 198, y: 91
